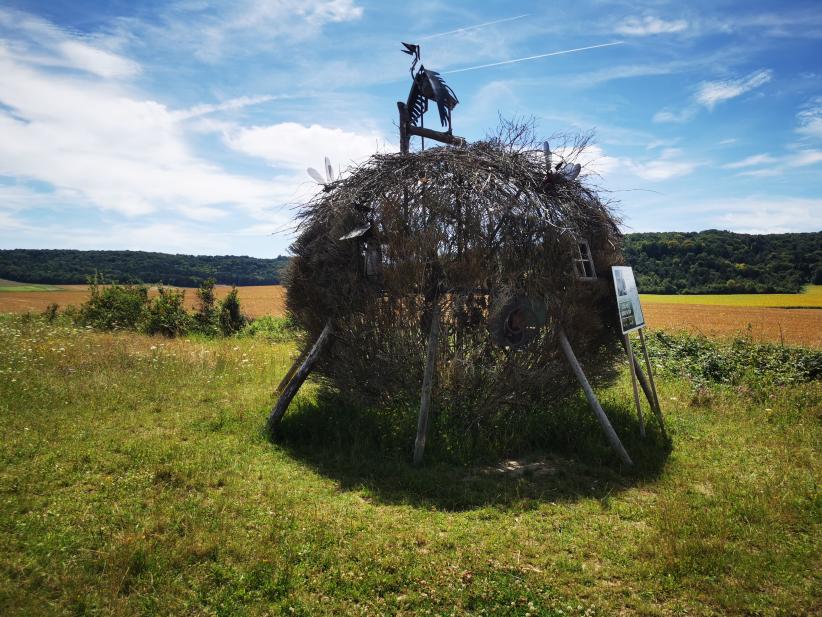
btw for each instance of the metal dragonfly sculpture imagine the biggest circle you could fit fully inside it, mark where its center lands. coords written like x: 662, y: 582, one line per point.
x: 426, y: 85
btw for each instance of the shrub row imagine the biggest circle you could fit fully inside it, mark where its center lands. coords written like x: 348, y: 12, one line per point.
x: 128, y: 307
x: 740, y: 361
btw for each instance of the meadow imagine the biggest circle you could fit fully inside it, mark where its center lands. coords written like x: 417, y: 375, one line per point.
x: 135, y: 480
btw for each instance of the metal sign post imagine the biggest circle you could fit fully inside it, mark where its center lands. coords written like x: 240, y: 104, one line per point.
x: 631, y: 318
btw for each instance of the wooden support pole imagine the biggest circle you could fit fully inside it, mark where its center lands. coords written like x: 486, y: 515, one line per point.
x: 297, y: 380
x: 632, y: 364
x: 290, y: 373
x: 407, y: 130
x: 405, y: 138
x: 610, y: 433
x: 441, y: 136
x: 657, y: 408
x: 427, y: 382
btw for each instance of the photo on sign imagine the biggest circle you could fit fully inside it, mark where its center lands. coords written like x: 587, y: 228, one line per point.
x: 630, y: 310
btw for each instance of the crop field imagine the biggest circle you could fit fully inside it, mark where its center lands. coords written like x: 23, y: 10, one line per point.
x: 134, y: 480
x: 757, y: 316
x: 788, y: 326
x: 810, y: 298
x: 256, y: 300
x: 793, y: 319
x: 6, y: 285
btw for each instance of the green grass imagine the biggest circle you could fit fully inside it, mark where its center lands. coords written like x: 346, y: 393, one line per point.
x: 134, y: 480
x: 6, y: 285
x: 811, y: 298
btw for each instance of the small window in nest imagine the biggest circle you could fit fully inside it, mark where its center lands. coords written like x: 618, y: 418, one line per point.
x: 372, y: 262
x: 584, y: 263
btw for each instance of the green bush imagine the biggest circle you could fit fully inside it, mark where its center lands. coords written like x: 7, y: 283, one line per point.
x: 127, y: 307
x: 166, y: 314
x: 51, y: 312
x: 742, y: 360
x: 275, y: 329
x: 231, y: 318
x: 206, y: 317
x: 114, y: 307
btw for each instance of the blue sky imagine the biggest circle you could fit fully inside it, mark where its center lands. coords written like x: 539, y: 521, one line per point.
x: 186, y: 127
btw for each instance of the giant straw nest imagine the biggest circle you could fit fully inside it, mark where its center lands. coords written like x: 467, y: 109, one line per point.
x: 507, y: 252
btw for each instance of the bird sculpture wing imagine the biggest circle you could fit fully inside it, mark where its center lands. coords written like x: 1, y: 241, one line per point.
x: 443, y: 95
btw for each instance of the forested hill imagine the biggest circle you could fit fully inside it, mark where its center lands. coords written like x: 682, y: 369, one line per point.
x: 667, y: 262
x: 724, y: 262
x: 66, y: 266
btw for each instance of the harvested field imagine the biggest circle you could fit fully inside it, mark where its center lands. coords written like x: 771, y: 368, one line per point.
x: 791, y: 326
x: 256, y: 300
x: 795, y: 326
x: 811, y: 297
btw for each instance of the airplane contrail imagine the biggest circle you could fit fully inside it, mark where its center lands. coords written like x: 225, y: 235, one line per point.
x: 469, y: 28
x: 553, y: 53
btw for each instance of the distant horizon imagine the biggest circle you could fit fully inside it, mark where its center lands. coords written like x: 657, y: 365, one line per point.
x: 288, y: 255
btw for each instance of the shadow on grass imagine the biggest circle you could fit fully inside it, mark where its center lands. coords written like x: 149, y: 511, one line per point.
x: 559, y: 454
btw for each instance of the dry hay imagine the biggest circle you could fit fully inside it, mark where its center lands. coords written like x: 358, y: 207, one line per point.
x: 481, y: 230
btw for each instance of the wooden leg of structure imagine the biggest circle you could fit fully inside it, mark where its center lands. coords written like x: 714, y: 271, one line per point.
x: 290, y: 373
x: 297, y: 380
x: 427, y: 384
x: 656, y: 407
x: 610, y: 433
x: 632, y: 364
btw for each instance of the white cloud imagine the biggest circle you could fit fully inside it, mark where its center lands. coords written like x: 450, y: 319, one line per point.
x: 761, y: 214
x: 668, y: 166
x: 765, y: 172
x: 229, y: 105
x: 97, y: 61
x: 810, y: 119
x: 295, y: 146
x: 712, y: 92
x: 665, y: 116
x: 38, y: 42
x: 775, y: 166
x: 648, y: 25
x: 110, y: 148
x: 806, y: 157
x: 751, y: 161
x: 213, y: 30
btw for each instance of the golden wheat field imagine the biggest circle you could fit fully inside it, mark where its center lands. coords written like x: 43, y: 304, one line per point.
x: 789, y: 326
x: 256, y: 301
x: 792, y: 326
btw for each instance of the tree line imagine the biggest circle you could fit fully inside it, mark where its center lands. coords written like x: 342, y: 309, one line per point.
x: 709, y: 261
x: 70, y: 266
x: 714, y: 261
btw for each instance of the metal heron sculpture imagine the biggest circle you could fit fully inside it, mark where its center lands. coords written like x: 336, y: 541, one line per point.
x: 426, y: 85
